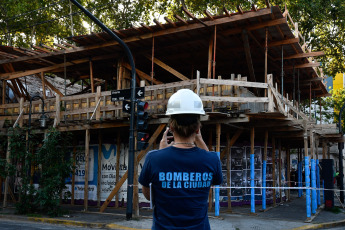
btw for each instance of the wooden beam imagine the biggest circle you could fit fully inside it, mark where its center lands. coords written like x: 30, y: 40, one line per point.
x: 226, y: 12
x: 188, y: 27
x: 255, y: 26
x: 91, y: 77
x: 168, y: 68
x: 40, y: 48
x: 9, y: 76
x: 302, y: 55
x: 301, y: 66
x: 49, y: 47
x: 232, y: 142
x: 142, y: 74
x: 248, y: 56
x: 139, y: 157
x: 239, y: 9
x: 50, y: 86
x: 170, y: 22
x: 180, y: 19
x: 70, y: 45
x: 283, y: 42
x: 43, y: 86
x: 61, y: 46
x: 158, y: 24
x: 209, y: 15
x: 146, y: 27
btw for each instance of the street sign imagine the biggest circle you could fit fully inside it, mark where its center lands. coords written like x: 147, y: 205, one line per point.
x: 126, y: 107
x: 125, y: 94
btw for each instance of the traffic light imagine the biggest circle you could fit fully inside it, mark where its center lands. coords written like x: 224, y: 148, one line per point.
x: 142, y: 116
x: 142, y: 140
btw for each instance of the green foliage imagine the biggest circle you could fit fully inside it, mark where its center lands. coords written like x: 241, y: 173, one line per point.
x: 57, y: 165
x: 336, y: 101
x: 52, y: 163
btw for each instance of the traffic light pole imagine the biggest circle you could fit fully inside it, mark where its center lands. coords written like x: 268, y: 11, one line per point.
x: 129, y: 210
x: 340, y: 148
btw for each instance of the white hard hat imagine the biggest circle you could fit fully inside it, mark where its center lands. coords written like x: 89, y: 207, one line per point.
x: 185, y: 101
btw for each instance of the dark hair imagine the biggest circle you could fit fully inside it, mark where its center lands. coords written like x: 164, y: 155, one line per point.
x: 185, y: 124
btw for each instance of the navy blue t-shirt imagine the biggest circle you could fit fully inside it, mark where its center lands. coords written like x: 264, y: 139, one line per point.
x: 181, y: 180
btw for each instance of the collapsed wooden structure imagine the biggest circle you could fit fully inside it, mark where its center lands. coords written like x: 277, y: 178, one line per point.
x: 250, y: 68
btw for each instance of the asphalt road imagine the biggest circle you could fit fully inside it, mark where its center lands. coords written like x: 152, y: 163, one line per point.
x: 26, y: 225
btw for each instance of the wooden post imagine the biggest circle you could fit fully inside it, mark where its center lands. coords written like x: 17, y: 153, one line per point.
x: 73, y: 175
x: 98, y: 96
x: 87, y: 149
x: 91, y: 78
x: 324, y: 149
x: 118, y: 154
x: 228, y: 166
x: 274, y: 169
x: 209, y: 68
x: 99, y: 168
x: 280, y: 169
x: 57, y: 111
x: 266, y: 50
x: 21, y: 107
x: 43, y: 86
x: 8, y: 159
x: 288, y: 171
x: 4, y: 83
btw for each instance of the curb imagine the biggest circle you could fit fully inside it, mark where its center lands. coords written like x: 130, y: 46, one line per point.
x: 322, y: 226
x: 69, y: 222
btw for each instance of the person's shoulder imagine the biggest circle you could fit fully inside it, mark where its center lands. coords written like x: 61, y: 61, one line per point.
x: 210, y: 154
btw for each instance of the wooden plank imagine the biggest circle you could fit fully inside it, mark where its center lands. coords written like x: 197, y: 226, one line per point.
x: 283, y: 42
x: 98, y: 110
x: 51, y: 86
x: 180, y: 19
x: 168, y: 68
x: 234, y: 83
x: 254, y: 26
x: 235, y: 99
x: 302, y: 55
x: 188, y: 27
x: 209, y: 63
x: 86, y: 179
x: 57, y: 111
x: 139, y: 157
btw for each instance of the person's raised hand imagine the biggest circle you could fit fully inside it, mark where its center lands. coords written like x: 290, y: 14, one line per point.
x: 166, y: 140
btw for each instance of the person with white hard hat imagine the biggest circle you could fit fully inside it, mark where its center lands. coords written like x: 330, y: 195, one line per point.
x: 181, y: 172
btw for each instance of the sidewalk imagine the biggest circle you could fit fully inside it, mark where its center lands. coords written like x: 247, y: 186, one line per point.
x: 288, y: 215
